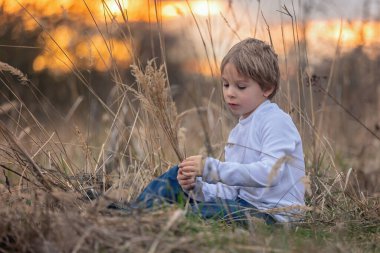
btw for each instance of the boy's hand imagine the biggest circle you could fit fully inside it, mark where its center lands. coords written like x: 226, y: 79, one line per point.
x: 192, y: 166
x: 187, y: 183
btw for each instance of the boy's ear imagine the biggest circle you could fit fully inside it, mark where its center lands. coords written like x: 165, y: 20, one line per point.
x: 268, y: 91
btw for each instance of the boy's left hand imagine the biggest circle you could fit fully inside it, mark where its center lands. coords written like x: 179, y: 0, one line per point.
x: 192, y: 166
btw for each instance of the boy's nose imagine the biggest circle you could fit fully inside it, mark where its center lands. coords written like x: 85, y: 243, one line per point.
x: 230, y: 92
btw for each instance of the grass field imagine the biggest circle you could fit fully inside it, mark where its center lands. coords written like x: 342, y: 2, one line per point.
x: 96, y: 122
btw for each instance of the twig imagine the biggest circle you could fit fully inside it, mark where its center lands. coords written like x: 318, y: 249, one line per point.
x: 266, y: 23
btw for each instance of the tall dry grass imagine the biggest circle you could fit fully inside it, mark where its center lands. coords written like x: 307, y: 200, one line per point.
x: 154, y: 94
x: 45, y: 186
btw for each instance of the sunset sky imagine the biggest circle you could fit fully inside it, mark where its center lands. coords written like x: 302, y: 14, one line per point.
x: 356, y: 21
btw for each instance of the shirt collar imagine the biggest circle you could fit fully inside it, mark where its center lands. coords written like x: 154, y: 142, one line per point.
x: 259, y: 108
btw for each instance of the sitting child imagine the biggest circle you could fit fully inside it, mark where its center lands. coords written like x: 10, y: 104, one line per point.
x: 264, y: 163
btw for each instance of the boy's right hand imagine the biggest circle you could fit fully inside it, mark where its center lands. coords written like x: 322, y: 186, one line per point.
x: 187, y: 183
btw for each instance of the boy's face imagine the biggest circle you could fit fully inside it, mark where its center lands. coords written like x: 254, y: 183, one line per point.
x: 242, y: 94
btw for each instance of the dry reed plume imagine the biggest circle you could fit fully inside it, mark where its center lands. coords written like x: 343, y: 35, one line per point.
x: 23, y: 79
x: 154, y: 94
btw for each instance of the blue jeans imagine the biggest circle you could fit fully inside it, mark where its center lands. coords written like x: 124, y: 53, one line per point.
x: 166, y: 189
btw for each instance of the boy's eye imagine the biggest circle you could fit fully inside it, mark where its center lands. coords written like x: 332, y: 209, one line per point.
x: 241, y: 87
x: 225, y: 85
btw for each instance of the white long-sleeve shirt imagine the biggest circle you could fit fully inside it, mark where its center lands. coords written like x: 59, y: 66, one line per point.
x: 264, y: 163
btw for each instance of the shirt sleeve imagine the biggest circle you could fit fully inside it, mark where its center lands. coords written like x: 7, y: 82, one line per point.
x: 278, y: 140
x: 206, y: 192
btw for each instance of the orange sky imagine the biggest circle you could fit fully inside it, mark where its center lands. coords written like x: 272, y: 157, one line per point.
x: 89, y: 51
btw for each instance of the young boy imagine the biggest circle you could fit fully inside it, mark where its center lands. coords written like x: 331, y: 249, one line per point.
x: 264, y: 164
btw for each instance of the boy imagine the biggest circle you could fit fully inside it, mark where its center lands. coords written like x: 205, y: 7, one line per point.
x: 264, y: 164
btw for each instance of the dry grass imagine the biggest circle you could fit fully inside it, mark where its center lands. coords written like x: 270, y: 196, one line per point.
x: 47, y: 210
x: 5, y: 67
x: 154, y: 94
x: 45, y: 206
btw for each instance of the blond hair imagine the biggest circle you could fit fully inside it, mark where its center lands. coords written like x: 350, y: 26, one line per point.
x: 257, y: 60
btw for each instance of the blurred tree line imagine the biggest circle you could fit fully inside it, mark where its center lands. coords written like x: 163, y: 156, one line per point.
x: 19, y: 47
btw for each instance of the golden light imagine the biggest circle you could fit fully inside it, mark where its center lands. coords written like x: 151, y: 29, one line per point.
x: 29, y: 23
x: 59, y: 61
x: 371, y: 33
x: 95, y: 53
x: 351, y: 37
x: 63, y: 35
x: 10, y: 6
x: 90, y: 51
x: 99, y: 53
x: 115, y: 6
x: 353, y: 33
x: 205, y: 8
x: 58, y: 58
x: 39, y: 63
x: 200, y: 66
x: 121, y: 51
x: 174, y: 10
x: 56, y: 61
x: 47, y: 7
x: 66, y: 3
